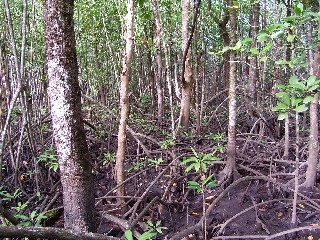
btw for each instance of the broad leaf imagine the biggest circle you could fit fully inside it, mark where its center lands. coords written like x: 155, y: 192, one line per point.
x: 293, y: 79
x: 301, y: 108
x: 308, y: 99
x: 147, y: 235
x: 295, y: 101
x: 290, y: 38
x: 311, y: 80
x: 283, y: 116
x: 277, y: 34
x: 128, y: 234
x: 280, y: 106
x: 254, y: 51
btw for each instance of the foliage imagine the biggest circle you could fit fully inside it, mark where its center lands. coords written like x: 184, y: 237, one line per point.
x: 152, y: 231
x: 199, y: 162
x: 108, y: 157
x: 296, y: 95
x: 49, y: 158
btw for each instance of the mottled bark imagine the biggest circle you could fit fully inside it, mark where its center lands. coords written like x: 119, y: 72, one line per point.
x: 124, y: 99
x: 187, y: 73
x: 65, y: 103
x: 230, y: 168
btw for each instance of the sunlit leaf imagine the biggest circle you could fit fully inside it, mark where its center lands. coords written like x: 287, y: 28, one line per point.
x: 283, y: 116
x: 301, y: 108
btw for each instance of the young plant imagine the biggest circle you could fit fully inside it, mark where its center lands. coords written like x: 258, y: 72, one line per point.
x: 199, y: 162
x: 152, y: 231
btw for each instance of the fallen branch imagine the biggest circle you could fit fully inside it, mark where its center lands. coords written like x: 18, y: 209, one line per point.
x: 49, y: 233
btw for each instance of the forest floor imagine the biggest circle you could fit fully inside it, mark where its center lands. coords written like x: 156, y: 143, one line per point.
x: 256, y: 206
x: 159, y: 200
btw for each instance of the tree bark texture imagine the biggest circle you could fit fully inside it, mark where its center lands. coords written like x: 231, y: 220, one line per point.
x: 230, y: 167
x: 68, y: 129
x: 124, y: 99
x: 187, y: 83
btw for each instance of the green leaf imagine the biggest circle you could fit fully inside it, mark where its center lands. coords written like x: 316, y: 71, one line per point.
x: 22, y: 217
x: 281, y: 86
x: 195, y: 153
x: 197, y: 166
x: 254, y: 51
x: 262, y: 37
x: 246, y: 41
x: 284, y: 97
x: 282, y: 61
x: 207, y: 179
x: 147, y: 235
x: 291, y: 19
x: 301, y: 108
x: 190, y: 167
x: 290, y: 38
x: 293, y: 79
x: 128, y: 234
x: 267, y: 47
x: 212, y: 184
x: 277, y: 34
x: 283, y: 116
x: 311, y: 80
x: 298, y: 85
x: 263, y: 59
x: 298, y: 9
x: 188, y: 160
x: 295, y: 101
x: 280, y: 106
x: 308, y: 99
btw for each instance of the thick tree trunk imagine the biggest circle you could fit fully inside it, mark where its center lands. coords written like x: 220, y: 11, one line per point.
x: 124, y: 99
x: 65, y: 102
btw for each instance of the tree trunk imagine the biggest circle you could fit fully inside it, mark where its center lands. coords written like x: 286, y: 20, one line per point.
x: 230, y: 168
x: 253, y: 71
x: 187, y: 78
x: 65, y: 102
x: 124, y: 99
x: 159, y: 70
x: 313, y: 139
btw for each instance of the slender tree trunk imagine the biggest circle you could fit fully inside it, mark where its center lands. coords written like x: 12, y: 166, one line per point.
x: 186, y: 73
x: 230, y: 168
x: 65, y: 102
x: 159, y: 70
x: 124, y: 99
x: 188, y: 79
x: 167, y: 59
x: 313, y: 139
x: 253, y: 66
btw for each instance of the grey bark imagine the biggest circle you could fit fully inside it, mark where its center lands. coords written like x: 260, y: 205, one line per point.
x: 68, y: 129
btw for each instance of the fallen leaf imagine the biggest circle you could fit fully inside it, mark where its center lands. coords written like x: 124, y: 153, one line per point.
x: 280, y: 214
x: 195, y: 213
